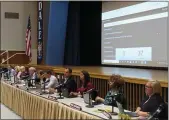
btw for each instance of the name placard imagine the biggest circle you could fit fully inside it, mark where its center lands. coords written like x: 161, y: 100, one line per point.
x: 40, y: 32
x: 52, y: 98
x: 74, y: 106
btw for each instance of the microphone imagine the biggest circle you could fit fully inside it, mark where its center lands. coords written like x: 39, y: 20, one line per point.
x: 44, y: 79
x: 91, y: 90
x: 157, y: 112
x: 37, y: 80
x: 60, y: 85
x: 116, y: 97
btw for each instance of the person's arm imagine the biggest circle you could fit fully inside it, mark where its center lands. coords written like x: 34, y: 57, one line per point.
x: 74, y: 93
x: 78, y: 92
x: 138, y: 109
x: 52, y: 82
x: 19, y: 75
x: 52, y: 90
x: 47, y: 80
x: 99, y: 99
x: 144, y: 114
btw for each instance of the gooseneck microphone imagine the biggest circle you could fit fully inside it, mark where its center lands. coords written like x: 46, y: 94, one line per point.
x: 91, y: 90
x: 59, y: 87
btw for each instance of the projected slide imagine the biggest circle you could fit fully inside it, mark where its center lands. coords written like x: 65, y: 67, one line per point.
x: 135, y: 35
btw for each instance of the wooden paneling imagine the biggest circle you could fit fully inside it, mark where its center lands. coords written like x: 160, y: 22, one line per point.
x: 17, y: 59
x: 3, y: 56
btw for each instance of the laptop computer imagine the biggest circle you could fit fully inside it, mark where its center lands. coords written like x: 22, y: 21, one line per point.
x: 65, y: 93
x: 121, y: 110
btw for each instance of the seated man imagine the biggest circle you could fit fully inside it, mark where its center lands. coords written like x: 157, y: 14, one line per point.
x: 68, y: 82
x: 51, y: 79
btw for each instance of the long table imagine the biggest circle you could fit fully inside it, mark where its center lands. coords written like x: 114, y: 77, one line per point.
x: 31, y: 105
x: 135, y: 80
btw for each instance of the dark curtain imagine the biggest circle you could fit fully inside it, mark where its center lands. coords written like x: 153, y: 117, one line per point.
x: 90, y: 33
x: 72, y: 42
x: 83, y: 38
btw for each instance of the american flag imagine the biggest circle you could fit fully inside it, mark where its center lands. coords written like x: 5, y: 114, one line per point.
x: 28, y: 39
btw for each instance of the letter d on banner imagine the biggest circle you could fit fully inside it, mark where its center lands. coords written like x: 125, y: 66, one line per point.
x: 40, y: 32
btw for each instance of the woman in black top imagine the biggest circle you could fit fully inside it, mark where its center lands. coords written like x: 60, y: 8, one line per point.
x: 153, y: 100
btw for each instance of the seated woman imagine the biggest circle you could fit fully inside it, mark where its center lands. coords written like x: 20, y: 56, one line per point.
x: 116, y: 83
x: 24, y: 71
x: 84, y: 83
x: 18, y: 72
x: 150, y: 104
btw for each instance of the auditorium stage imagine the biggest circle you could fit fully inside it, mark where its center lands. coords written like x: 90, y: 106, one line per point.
x: 161, y: 75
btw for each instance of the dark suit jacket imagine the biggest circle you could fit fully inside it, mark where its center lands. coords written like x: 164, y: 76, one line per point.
x: 70, y: 84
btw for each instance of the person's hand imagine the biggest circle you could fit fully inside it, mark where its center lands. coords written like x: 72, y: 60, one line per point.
x: 71, y: 93
x: 52, y: 90
x: 137, y: 111
x: 143, y: 114
x: 74, y: 93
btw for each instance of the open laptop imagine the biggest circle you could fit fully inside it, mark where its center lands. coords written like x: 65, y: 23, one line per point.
x: 65, y: 93
x: 121, y: 110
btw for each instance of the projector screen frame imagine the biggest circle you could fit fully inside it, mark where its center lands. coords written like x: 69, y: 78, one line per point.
x: 139, y: 67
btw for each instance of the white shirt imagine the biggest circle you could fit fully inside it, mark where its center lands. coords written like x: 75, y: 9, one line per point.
x: 65, y: 80
x: 53, y: 82
x: 13, y: 72
x: 33, y: 76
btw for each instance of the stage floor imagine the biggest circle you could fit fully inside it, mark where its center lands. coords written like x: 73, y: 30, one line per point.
x: 161, y: 75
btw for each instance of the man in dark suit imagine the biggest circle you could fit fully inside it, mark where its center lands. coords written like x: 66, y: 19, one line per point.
x: 68, y: 81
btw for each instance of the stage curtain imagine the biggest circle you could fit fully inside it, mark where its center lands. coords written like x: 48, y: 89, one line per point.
x: 90, y: 33
x: 56, y: 32
x: 72, y: 41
